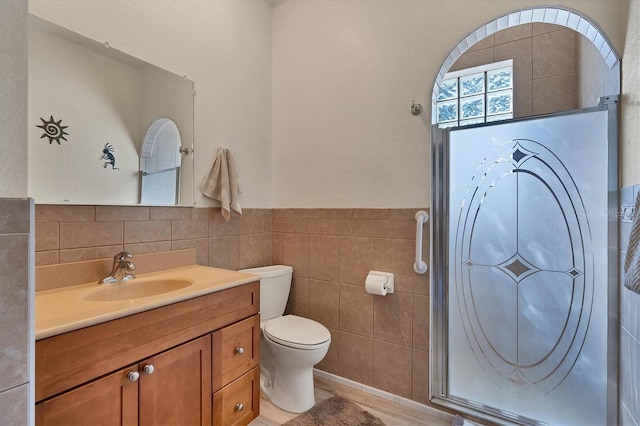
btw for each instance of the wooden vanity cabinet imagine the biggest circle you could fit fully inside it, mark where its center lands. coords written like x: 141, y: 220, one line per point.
x: 169, y: 386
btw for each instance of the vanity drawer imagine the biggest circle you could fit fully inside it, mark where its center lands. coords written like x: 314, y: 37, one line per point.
x: 239, y: 402
x: 236, y: 350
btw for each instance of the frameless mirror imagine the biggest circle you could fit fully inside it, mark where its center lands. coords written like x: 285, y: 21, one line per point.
x: 105, y: 127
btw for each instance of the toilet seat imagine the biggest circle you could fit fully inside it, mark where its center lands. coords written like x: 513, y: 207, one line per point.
x: 297, y: 332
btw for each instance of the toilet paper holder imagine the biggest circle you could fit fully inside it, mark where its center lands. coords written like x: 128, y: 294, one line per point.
x: 389, y: 284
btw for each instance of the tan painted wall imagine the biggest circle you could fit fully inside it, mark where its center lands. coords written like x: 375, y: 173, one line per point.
x: 344, y: 76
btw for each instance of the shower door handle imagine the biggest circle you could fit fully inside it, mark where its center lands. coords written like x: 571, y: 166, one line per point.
x: 420, y: 266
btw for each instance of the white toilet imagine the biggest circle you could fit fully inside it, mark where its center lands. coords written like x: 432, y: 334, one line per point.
x: 290, y: 345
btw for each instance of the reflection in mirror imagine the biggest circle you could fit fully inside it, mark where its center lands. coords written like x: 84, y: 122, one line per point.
x: 160, y: 163
x: 89, y: 109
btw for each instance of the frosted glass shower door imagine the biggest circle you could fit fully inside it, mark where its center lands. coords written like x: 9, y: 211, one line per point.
x: 527, y: 268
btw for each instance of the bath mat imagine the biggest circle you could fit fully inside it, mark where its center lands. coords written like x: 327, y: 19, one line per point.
x: 459, y: 421
x: 335, y: 411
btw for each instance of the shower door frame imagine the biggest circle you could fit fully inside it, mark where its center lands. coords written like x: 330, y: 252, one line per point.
x: 439, y: 393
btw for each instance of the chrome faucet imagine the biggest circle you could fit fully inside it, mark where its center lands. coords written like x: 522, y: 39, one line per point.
x: 121, y: 268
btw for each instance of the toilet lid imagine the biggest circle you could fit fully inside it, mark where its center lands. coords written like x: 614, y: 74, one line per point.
x: 297, y: 332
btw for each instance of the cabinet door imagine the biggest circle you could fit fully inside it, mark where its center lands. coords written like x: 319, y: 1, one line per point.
x: 111, y: 400
x: 175, y: 386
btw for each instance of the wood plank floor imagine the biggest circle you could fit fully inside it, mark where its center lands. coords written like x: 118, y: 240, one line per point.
x: 391, y: 413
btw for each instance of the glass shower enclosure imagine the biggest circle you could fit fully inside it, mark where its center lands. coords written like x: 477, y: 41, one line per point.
x: 525, y: 272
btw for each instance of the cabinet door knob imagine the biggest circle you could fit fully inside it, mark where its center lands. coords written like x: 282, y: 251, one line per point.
x: 133, y: 376
x: 149, y: 369
x: 240, y: 350
x: 239, y: 406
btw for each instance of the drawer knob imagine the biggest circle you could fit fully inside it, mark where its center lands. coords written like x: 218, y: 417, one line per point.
x: 133, y: 376
x: 239, y: 406
x: 240, y: 350
x: 149, y: 369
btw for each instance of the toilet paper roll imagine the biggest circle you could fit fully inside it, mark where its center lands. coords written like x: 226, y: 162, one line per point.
x: 376, y: 284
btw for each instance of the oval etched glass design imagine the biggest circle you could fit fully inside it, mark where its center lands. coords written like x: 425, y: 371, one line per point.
x: 133, y: 289
x: 541, y: 292
x: 527, y: 268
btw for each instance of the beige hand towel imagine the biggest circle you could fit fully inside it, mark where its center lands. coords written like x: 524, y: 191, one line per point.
x: 221, y: 183
x: 632, y: 260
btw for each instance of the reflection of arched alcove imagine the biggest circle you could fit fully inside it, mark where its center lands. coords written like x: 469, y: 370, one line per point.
x: 548, y: 15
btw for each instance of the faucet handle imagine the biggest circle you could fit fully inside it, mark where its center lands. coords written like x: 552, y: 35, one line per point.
x: 123, y: 255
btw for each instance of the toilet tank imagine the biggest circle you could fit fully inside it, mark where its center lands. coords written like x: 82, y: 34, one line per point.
x: 275, y: 283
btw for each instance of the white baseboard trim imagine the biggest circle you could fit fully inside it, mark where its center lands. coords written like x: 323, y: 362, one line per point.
x: 385, y: 395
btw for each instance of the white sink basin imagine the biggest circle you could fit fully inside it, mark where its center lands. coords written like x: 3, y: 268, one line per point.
x: 134, y: 289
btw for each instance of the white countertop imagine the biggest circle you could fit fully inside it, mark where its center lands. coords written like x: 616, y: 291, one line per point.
x: 65, y: 309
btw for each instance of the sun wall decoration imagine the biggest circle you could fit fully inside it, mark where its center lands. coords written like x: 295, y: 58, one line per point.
x: 53, y: 130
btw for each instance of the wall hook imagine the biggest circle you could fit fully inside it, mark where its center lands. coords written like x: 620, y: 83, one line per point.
x: 416, y: 109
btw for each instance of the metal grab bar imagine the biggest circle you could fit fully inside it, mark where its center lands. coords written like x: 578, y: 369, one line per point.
x: 420, y: 266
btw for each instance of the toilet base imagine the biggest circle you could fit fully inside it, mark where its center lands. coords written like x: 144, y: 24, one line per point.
x: 292, y: 392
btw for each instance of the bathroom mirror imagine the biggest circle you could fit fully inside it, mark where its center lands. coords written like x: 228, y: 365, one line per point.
x: 90, y: 107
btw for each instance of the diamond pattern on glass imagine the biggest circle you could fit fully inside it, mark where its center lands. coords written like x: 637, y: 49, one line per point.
x: 520, y: 154
x: 517, y: 267
x: 574, y: 272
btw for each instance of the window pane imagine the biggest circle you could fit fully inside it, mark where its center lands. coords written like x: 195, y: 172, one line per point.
x: 447, y: 111
x: 472, y: 84
x: 499, y: 79
x: 500, y: 102
x: 448, y: 90
x: 472, y: 107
